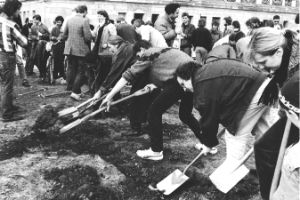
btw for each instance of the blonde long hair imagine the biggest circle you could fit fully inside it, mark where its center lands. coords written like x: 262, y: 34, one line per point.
x: 266, y: 41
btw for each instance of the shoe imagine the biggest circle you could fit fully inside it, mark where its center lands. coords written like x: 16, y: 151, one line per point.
x: 149, y: 154
x: 25, y: 83
x: 75, y: 96
x: 12, y: 118
x: 213, y: 150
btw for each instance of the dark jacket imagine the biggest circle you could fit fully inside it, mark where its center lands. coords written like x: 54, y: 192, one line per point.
x: 121, y: 60
x: 202, y: 38
x: 223, y: 90
x: 161, y: 63
x: 188, y: 31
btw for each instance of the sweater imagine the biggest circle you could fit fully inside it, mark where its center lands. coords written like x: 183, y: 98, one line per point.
x: 161, y: 63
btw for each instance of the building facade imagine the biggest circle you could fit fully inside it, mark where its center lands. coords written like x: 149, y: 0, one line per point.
x: 210, y: 10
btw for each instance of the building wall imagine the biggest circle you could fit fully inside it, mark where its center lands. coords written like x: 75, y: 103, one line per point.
x: 49, y: 9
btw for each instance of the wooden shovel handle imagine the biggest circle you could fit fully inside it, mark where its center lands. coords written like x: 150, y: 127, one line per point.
x: 193, y: 161
x: 279, y: 162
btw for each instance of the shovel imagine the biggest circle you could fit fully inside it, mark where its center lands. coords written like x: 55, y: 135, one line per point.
x: 175, y: 179
x: 229, y: 174
x: 292, y: 118
x: 75, y: 111
x: 145, y: 90
x: 54, y: 94
x: 32, y: 92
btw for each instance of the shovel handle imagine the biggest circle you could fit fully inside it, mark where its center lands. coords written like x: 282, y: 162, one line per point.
x: 279, y: 162
x: 32, y: 92
x: 193, y: 161
x: 244, y: 159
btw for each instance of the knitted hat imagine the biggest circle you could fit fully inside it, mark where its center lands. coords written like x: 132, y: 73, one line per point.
x: 289, y: 96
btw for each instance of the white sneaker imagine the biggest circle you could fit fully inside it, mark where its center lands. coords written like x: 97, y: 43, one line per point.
x: 75, y: 96
x: 213, y: 150
x: 149, y: 154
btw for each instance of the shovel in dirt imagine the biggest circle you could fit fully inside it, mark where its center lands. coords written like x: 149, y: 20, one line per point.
x: 175, y: 179
x: 75, y: 111
x: 145, y: 90
x: 229, y: 174
x: 32, y: 92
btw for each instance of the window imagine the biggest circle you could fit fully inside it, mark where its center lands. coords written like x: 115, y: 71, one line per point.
x: 122, y: 14
x: 154, y: 18
x: 216, y: 19
x: 138, y: 15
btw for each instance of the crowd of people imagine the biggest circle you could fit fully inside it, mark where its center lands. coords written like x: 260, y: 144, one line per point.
x: 232, y: 78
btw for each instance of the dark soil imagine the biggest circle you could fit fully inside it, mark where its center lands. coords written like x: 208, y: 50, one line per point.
x: 77, y: 183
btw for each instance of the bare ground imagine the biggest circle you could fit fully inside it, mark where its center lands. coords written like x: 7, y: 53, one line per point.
x: 94, y: 161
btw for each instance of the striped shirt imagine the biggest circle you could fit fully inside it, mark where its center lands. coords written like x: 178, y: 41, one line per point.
x: 10, y: 34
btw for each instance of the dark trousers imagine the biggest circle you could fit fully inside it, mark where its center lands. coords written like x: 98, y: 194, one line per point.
x: 75, y: 73
x: 266, y: 153
x: 171, y: 92
x: 58, y: 56
x: 103, y: 68
x: 30, y: 58
x: 7, y: 71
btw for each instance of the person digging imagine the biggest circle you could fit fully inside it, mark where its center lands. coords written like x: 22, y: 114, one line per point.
x: 158, y: 66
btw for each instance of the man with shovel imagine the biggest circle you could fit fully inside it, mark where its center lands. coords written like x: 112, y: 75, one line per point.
x: 226, y: 92
x: 157, y: 66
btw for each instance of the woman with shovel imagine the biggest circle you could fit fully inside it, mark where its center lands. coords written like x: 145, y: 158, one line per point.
x: 278, y: 52
x: 157, y: 66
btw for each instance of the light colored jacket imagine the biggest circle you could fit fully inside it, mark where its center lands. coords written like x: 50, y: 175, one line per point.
x: 108, y: 31
x: 152, y: 35
x: 167, y: 28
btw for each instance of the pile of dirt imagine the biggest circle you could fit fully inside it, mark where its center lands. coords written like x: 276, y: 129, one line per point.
x: 78, y: 182
x: 47, y: 120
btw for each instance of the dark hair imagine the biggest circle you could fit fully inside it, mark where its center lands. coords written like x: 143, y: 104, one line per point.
x: 255, y: 22
x: 228, y: 20
x: 215, y: 23
x: 37, y: 17
x: 171, y: 8
x: 236, y: 24
x: 270, y: 94
x: 10, y: 7
x: 141, y: 44
x: 248, y: 23
x: 297, y: 18
x: 18, y: 21
x: 138, y: 20
x: 232, y: 37
x: 81, y: 9
x: 185, y: 14
x: 26, y: 20
x: 238, y: 36
x: 104, y: 13
x: 201, y: 23
x: 92, y: 27
x: 59, y: 18
x: 276, y: 17
x: 187, y: 70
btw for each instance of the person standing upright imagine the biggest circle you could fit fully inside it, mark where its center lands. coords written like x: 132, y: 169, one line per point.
x: 186, y: 34
x: 78, y: 37
x: 166, y: 23
x: 8, y: 35
x: 202, y: 41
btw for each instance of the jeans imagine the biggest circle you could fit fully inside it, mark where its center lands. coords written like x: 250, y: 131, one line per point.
x: 7, y: 71
x: 21, y: 68
x: 170, y: 94
x: 266, y: 151
x: 103, y: 68
x: 58, y: 57
x: 75, y: 73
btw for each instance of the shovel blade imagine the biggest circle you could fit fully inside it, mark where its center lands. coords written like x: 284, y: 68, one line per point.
x: 172, y: 182
x: 67, y: 111
x: 225, y: 177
